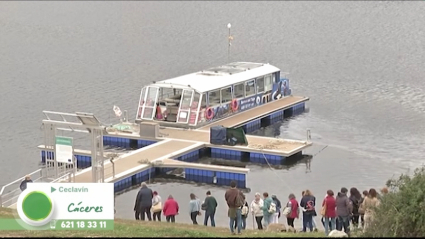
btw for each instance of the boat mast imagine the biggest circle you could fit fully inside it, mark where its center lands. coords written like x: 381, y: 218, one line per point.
x: 230, y: 38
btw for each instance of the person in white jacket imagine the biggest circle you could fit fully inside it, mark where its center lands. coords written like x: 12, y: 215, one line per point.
x: 256, y: 211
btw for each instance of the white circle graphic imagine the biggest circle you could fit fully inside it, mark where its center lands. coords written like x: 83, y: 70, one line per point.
x: 27, y: 220
x: 258, y: 100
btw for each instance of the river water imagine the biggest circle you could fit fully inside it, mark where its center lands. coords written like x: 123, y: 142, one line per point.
x: 361, y: 63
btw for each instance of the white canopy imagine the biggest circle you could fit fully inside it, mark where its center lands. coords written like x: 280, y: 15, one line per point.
x: 219, y: 77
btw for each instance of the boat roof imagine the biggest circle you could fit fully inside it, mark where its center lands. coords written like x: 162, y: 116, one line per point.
x: 220, y: 76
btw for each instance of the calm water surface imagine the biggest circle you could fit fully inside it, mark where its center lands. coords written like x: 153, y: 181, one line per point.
x: 361, y: 63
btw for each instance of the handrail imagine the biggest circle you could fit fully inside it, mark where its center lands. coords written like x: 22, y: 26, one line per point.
x: 62, y: 177
x: 16, y: 181
x: 4, y: 195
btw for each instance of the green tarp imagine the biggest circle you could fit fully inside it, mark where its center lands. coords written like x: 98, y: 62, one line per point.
x: 239, y: 134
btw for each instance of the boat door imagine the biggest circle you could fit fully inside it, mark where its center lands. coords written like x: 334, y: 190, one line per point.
x: 149, y: 106
x: 184, y: 109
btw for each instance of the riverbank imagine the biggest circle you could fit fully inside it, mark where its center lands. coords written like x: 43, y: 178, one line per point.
x: 131, y: 228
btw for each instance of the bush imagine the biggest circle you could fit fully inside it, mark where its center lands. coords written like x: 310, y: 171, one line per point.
x: 401, y: 212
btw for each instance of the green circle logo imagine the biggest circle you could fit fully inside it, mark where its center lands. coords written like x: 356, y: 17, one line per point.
x: 37, y: 206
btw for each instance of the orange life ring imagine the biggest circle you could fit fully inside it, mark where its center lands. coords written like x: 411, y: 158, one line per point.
x: 209, y: 113
x: 235, y: 104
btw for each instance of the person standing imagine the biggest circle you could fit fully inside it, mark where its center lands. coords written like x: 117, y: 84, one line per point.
x: 210, y: 206
x: 23, y: 185
x: 344, y: 210
x: 194, y: 208
x: 267, y: 209
x: 308, y: 203
x: 294, y: 211
x: 355, y: 199
x: 143, y: 203
x: 365, y: 193
x: 156, y: 206
x: 235, y: 200
x: 330, y: 212
x: 370, y: 202
x: 171, y: 209
x: 244, y: 215
x: 276, y: 215
x: 256, y: 210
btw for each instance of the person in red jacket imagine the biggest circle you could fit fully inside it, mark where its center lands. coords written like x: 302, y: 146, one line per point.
x: 293, y: 211
x: 330, y: 212
x: 170, y: 209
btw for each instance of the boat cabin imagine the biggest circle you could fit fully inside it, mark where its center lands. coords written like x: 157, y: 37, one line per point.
x: 196, y: 99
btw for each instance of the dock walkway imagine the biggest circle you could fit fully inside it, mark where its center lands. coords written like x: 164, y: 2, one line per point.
x: 139, y: 157
x: 281, y: 147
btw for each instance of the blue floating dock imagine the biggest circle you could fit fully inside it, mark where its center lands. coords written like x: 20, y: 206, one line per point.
x: 226, y: 154
x: 83, y: 161
x: 134, y: 180
x: 126, y: 143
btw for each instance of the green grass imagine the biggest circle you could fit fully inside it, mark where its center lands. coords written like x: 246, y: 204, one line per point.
x: 132, y: 228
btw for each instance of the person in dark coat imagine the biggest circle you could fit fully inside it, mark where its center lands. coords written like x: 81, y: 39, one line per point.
x: 23, y: 185
x: 210, y: 205
x: 143, y: 203
x: 355, y: 199
x: 308, y: 204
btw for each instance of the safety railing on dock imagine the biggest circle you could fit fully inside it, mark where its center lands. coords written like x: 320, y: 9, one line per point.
x: 9, y: 193
x: 70, y: 177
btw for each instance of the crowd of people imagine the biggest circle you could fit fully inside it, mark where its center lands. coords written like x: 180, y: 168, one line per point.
x: 337, y: 211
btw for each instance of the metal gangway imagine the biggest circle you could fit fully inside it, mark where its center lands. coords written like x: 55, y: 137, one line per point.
x: 53, y: 171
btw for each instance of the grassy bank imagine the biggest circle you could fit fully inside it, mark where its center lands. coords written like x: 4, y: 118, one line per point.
x: 131, y: 228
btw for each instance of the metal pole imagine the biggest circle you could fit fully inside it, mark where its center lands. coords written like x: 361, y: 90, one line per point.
x: 75, y: 168
x: 228, y: 47
x: 113, y: 168
x: 53, y: 130
x: 93, y: 156
x: 102, y: 161
x: 150, y: 170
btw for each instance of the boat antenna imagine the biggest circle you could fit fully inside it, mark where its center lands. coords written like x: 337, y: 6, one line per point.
x: 230, y: 38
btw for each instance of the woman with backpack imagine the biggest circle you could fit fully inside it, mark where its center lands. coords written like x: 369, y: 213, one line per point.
x: 244, y: 216
x: 355, y: 199
x: 269, y: 208
x: 276, y: 215
x: 308, y: 204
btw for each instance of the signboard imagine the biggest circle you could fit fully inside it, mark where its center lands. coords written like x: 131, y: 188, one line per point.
x: 250, y: 102
x: 64, y: 150
x: 65, y: 206
x: 247, y: 103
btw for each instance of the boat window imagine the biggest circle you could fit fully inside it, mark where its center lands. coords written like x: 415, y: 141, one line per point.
x: 274, y: 77
x: 204, y: 101
x: 187, y: 97
x: 196, y: 100
x: 249, y: 88
x: 268, y: 84
x: 238, y: 90
x: 214, y: 97
x: 268, y: 80
x: 226, y: 95
x: 260, y: 84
